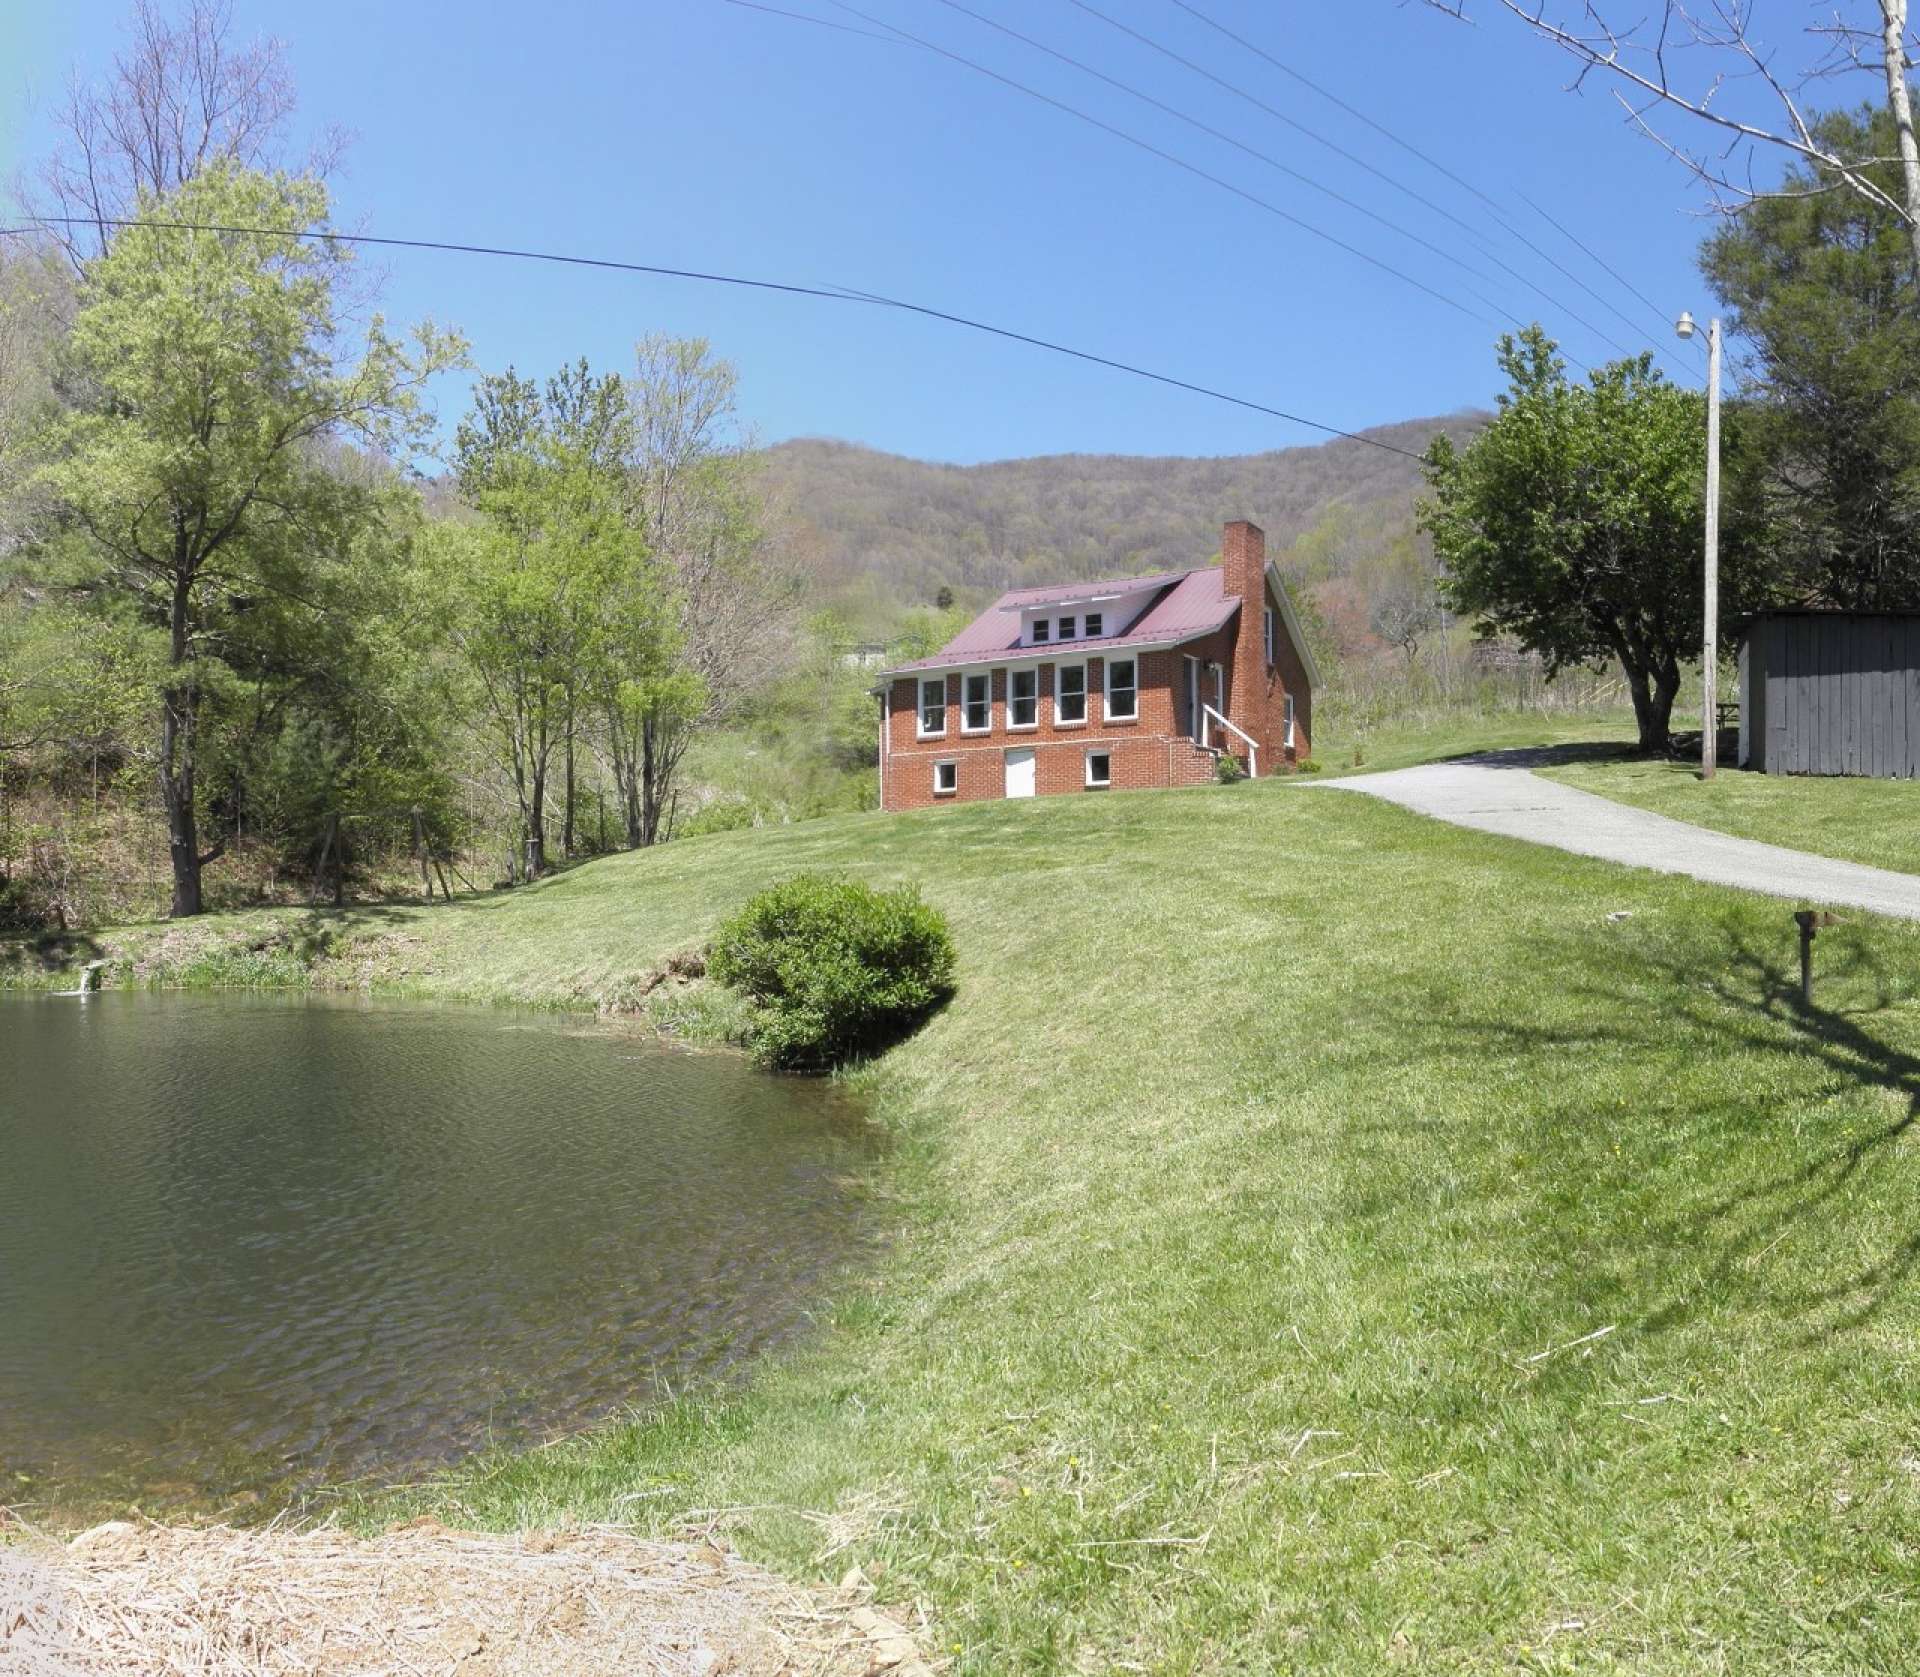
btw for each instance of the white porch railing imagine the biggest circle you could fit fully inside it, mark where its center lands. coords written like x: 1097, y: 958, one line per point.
x: 1253, y: 748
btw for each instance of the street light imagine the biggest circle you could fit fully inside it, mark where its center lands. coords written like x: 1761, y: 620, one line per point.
x: 1710, y: 652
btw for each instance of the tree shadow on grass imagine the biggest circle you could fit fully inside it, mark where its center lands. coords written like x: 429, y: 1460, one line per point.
x: 1529, y: 757
x: 1758, y: 1216
x: 1835, y: 1192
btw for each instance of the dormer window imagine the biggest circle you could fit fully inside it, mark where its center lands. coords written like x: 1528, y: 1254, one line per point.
x: 1040, y: 628
x: 1096, y: 624
x: 1066, y: 628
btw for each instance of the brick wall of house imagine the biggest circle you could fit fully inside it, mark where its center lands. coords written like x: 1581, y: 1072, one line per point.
x: 1151, y: 750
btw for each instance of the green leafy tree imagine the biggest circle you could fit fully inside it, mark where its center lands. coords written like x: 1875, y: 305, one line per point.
x: 213, y: 375
x: 1574, y: 521
x: 560, y: 606
x: 1826, y: 457
x: 732, y: 594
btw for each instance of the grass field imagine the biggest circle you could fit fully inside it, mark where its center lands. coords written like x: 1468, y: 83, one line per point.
x: 1872, y: 821
x: 1322, y: 1240
x: 1428, y: 739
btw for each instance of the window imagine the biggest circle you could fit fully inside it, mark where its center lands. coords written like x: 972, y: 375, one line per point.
x: 1040, y: 627
x: 1123, y: 698
x: 1066, y: 628
x: 1070, y: 694
x: 1099, y: 768
x: 1286, y: 721
x: 1269, y: 635
x: 946, y: 778
x: 933, y: 708
x: 1023, y: 699
x: 1095, y: 623
x: 976, y: 713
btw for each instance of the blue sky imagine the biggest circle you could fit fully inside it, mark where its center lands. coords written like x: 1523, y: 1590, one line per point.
x: 698, y: 134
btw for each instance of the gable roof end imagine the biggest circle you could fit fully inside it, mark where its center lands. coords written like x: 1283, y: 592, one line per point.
x: 1288, y: 616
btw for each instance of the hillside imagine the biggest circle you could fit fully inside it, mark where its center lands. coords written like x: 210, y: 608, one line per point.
x: 897, y: 530
x: 1497, y: 1261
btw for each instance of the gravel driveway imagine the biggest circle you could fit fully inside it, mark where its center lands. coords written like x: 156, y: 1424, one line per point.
x: 1498, y: 793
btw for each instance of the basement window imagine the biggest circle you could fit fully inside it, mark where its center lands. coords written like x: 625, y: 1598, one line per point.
x: 1023, y: 699
x: 1123, y: 697
x: 946, y: 778
x: 1099, y: 768
x: 1070, y: 695
x: 1095, y: 625
x: 933, y: 708
x: 976, y: 714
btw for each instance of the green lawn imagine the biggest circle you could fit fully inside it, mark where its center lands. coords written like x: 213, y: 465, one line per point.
x: 1323, y: 1240
x: 1432, y: 738
x: 1872, y: 821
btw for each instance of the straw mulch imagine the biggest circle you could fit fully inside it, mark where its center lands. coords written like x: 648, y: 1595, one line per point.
x: 177, y: 1602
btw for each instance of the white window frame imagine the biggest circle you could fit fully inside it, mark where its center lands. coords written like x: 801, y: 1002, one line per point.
x: 1067, y: 626
x: 966, y: 681
x: 1286, y: 721
x: 920, y: 729
x: 940, y: 763
x: 1093, y: 625
x: 1085, y: 704
x: 1107, y: 690
x: 1093, y: 785
x: 1271, y: 615
x: 1042, y: 630
x: 1033, y: 699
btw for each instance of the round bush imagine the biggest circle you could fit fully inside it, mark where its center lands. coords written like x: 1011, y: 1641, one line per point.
x: 834, y: 968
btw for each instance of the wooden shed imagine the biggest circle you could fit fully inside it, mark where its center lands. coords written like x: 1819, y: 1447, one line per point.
x: 1831, y: 692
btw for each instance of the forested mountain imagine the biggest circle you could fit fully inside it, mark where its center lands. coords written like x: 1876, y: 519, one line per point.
x: 891, y: 532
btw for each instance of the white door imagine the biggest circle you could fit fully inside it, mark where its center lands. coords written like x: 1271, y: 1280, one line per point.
x: 1020, y: 774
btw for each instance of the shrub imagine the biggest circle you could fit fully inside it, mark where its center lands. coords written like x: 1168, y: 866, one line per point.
x: 1228, y: 768
x: 834, y: 968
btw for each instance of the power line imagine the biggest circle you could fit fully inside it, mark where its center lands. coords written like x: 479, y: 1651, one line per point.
x: 1281, y: 116
x: 905, y: 37
x: 1572, y: 238
x: 1341, y: 151
x: 824, y: 22
x: 1165, y: 156
x: 1227, y: 139
x: 832, y: 294
x: 1405, y: 145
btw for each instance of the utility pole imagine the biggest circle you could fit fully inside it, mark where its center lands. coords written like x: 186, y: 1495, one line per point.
x: 1710, y: 637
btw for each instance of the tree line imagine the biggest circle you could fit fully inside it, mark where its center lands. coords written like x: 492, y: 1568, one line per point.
x: 1574, y: 523
x: 244, y: 583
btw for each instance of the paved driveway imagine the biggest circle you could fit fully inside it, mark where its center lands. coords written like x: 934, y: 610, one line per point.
x: 1498, y: 793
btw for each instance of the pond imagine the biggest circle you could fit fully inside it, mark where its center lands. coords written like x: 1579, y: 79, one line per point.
x: 252, y: 1244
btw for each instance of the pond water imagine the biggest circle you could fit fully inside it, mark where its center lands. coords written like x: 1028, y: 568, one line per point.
x: 251, y: 1243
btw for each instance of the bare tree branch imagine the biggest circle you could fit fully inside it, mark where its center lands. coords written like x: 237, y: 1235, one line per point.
x: 182, y: 94
x: 1639, y: 56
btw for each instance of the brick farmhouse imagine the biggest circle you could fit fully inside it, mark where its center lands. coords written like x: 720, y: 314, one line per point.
x: 1145, y: 681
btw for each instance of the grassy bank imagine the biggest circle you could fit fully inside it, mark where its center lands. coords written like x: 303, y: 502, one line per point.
x: 1871, y: 821
x: 1322, y: 1239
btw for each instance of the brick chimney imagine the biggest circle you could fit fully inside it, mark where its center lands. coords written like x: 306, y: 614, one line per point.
x: 1243, y: 573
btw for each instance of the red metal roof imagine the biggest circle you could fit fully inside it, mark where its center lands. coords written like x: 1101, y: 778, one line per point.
x: 1189, y: 603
